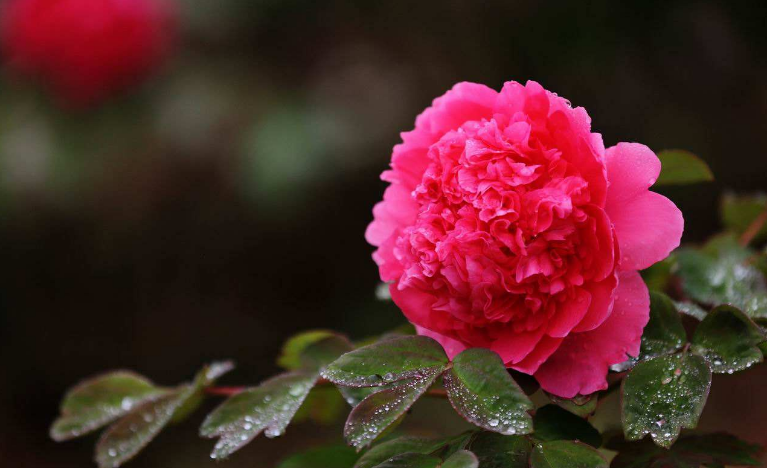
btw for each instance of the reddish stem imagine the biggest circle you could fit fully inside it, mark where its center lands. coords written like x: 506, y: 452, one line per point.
x: 753, y: 229
x: 224, y: 391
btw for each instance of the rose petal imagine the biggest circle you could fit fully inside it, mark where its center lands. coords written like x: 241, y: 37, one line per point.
x: 580, y: 364
x: 452, y: 347
x: 648, y: 225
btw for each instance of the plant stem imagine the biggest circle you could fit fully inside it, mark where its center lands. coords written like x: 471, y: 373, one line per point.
x: 753, y: 229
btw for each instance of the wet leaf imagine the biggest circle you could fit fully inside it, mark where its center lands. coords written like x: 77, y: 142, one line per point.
x: 681, y: 167
x: 581, y: 405
x: 290, y: 356
x: 691, y: 309
x: 354, y: 395
x: 268, y: 408
x: 482, y: 391
x: 385, y: 450
x: 566, y: 454
x: 335, y: 456
x: 728, y: 340
x: 324, y: 405
x: 411, y: 460
x: 739, y: 211
x: 374, y: 414
x: 388, y: 361
x: 663, y: 395
x: 461, y: 459
x: 658, y: 275
x: 315, y: 356
x: 554, y: 423
x: 723, y: 273
x: 100, y: 400
x: 690, y: 451
x: 125, y: 438
x: 500, y: 451
x: 664, y: 333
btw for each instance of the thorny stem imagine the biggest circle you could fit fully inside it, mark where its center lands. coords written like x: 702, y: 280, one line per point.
x: 231, y: 391
x: 753, y: 229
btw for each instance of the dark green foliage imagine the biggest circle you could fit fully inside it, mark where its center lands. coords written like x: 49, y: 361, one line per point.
x: 566, y: 454
x: 663, y: 395
x: 690, y: 451
x: 728, y: 340
x: 388, y: 361
x: 552, y: 422
x: 483, y: 392
x: 682, y: 167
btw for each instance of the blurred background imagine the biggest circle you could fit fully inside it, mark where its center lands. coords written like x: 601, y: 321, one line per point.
x: 219, y: 207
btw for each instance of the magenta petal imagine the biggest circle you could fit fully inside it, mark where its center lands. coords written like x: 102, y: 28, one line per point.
x: 602, y: 298
x: 580, y: 364
x: 452, y: 347
x: 515, y: 346
x: 569, y: 314
x: 648, y: 226
x: 398, y: 209
x: 417, y: 306
x: 545, y: 348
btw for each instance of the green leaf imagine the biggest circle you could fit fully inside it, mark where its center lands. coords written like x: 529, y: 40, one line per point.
x: 378, y: 411
x: 461, y: 459
x: 691, y: 309
x: 664, y: 333
x: 722, y: 273
x: 658, y: 275
x: 739, y: 211
x: 268, y: 408
x: 335, y: 456
x: 354, y: 395
x: 125, y: 438
x: 690, y: 451
x: 290, y: 356
x: 100, y: 400
x: 554, y: 423
x: 681, y: 167
x: 499, y: 451
x: 386, y: 450
x: 728, y: 340
x: 388, y: 361
x: 580, y: 405
x: 315, y: 356
x: 204, y: 379
x: 411, y: 460
x: 324, y: 405
x: 566, y: 454
x: 663, y: 395
x: 482, y: 391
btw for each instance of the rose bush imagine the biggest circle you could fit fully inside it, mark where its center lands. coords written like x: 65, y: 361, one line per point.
x: 508, y: 226
x: 86, y: 49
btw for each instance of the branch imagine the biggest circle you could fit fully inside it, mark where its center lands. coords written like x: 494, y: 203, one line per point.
x: 753, y: 229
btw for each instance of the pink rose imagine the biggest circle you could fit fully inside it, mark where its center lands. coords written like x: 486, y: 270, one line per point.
x: 508, y: 226
x: 86, y: 50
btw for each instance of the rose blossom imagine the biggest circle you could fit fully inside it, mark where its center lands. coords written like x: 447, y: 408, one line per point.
x: 508, y: 226
x: 86, y: 49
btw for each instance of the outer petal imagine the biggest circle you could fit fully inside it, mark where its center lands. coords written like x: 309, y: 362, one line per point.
x: 545, y: 348
x: 580, y: 364
x: 513, y: 346
x: 648, y: 225
x: 452, y: 347
x: 398, y: 209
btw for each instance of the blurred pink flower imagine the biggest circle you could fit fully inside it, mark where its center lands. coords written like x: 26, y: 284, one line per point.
x: 86, y: 50
x: 508, y: 226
